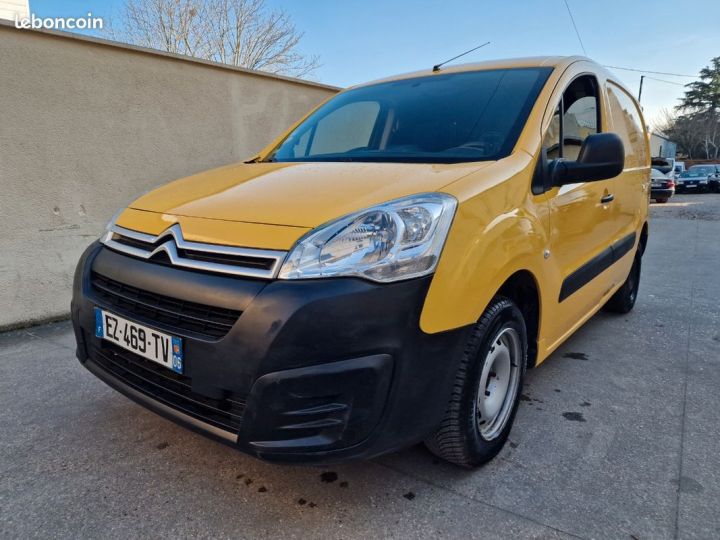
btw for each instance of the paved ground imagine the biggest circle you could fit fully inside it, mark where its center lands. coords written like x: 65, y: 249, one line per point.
x: 617, y: 437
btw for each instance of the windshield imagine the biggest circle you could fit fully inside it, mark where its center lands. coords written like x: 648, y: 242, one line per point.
x: 702, y: 169
x: 691, y: 174
x: 447, y: 118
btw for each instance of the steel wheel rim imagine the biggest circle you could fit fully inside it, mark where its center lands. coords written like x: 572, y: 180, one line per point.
x: 498, y: 385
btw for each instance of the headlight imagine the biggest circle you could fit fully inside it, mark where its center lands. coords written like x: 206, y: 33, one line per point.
x: 703, y: 181
x: 397, y: 240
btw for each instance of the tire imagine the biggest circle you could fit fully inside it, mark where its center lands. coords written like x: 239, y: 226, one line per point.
x: 624, y: 298
x: 464, y: 437
x: 661, y: 201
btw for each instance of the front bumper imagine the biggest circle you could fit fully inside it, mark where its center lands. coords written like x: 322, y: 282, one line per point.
x: 690, y: 188
x: 310, y: 371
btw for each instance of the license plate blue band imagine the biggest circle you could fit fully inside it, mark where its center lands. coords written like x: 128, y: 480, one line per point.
x: 98, y: 323
x: 177, y: 355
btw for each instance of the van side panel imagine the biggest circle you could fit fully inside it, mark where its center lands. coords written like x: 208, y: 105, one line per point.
x: 628, y: 122
x: 501, y: 228
x: 498, y: 230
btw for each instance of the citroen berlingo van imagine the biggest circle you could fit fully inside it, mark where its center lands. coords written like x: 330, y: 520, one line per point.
x: 383, y: 273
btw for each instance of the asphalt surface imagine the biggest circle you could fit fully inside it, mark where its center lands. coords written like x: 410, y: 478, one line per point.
x: 617, y: 437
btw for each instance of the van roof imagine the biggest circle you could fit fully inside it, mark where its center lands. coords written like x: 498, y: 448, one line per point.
x: 531, y: 61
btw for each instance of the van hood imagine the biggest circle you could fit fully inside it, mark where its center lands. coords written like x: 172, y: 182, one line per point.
x: 296, y: 194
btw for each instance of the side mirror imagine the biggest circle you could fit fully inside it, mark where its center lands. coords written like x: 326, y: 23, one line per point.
x: 602, y: 156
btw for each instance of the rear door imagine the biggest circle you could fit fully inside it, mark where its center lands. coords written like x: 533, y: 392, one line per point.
x: 633, y: 184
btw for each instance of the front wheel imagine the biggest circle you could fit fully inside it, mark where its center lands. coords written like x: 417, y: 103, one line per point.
x: 487, y: 388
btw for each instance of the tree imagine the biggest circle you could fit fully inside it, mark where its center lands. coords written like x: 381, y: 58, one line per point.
x: 241, y: 33
x: 704, y: 95
x: 683, y: 130
x: 695, y: 126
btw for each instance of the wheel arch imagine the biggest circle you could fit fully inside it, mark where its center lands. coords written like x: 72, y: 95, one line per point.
x: 523, y: 289
x: 642, y: 244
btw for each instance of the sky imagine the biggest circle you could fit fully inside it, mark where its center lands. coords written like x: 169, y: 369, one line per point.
x: 358, y: 41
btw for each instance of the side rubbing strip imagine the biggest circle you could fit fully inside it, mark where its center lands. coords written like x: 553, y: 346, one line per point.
x: 621, y: 247
x: 583, y: 275
x: 595, y: 266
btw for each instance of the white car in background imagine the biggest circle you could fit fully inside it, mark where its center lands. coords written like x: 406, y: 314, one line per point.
x: 665, y: 166
x: 661, y: 187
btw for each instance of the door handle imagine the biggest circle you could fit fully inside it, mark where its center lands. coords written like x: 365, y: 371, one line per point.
x: 607, y: 198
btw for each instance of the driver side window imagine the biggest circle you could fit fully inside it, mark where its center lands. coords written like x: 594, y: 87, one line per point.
x: 576, y: 117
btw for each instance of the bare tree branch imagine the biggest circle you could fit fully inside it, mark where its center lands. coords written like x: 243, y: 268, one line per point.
x: 241, y: 33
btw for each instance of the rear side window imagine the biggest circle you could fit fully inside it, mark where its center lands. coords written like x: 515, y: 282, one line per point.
x: 627, y: 123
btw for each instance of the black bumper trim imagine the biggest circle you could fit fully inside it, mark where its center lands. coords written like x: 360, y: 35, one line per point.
x: 372, y: 381
x: 224, y: 412
x: 160, y: 408
x: 316, y: 406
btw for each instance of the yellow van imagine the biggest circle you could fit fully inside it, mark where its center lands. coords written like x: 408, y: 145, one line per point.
x: 384, y: 272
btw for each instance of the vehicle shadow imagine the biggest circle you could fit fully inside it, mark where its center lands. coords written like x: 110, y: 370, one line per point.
x: 549, y: 471
x: 179, y: 457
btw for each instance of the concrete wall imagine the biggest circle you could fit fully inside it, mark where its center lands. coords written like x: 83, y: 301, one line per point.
x: 86, y: 126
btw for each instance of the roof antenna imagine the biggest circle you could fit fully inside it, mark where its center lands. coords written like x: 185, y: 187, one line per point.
x: 436, y: 67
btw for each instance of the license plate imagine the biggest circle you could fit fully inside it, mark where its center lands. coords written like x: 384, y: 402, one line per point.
x: 156, y: 346
x: 655, y: 185
x: 690, y: 186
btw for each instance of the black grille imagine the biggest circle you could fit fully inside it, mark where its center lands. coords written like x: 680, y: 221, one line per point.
x: 132, y: 242
x: 169, y: 388
x: 262, y: 263
x: 209, y: 321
